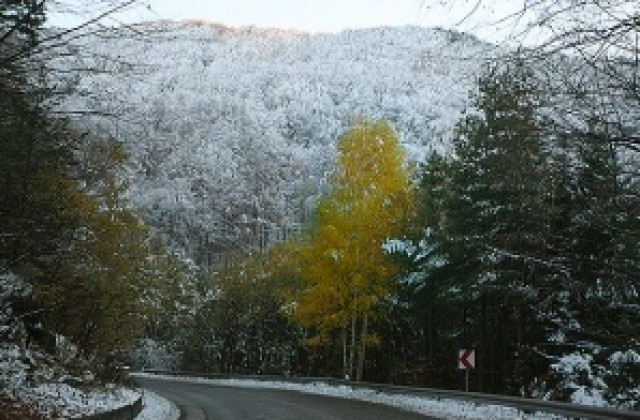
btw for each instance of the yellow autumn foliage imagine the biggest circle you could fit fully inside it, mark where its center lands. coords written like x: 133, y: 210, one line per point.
x: 345, y: 271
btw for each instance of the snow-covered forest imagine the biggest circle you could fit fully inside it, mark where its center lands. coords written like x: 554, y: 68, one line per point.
x: 231, y: 132
x: 189, y: 196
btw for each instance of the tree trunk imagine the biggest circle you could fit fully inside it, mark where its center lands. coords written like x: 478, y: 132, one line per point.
x: 345, y: 373
x: 352, y: 348
x: 482, y: 347
x: 363, y: 348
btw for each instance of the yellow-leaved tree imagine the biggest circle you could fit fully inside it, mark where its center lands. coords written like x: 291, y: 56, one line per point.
x: 346, y: 272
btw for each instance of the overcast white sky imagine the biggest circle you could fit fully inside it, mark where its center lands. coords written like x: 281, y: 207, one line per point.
x: 327, y: 15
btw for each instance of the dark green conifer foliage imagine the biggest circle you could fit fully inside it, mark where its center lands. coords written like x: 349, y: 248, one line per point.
x: 534, y: 229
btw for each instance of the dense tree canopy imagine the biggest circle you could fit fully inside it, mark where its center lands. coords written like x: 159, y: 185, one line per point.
x: 67, y: 232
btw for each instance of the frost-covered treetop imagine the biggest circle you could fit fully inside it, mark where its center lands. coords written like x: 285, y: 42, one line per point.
x: 220, y: 122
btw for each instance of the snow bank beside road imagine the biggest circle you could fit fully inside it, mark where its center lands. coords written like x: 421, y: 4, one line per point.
x: 37, y: 379
x: 154, y: 407
x: 443, y: 408
x: 57, y: 400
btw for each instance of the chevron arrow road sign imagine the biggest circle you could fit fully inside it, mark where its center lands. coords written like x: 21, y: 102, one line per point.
x: 466, y: 359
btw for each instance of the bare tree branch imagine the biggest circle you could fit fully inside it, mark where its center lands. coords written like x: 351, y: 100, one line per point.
x: 46, y: 43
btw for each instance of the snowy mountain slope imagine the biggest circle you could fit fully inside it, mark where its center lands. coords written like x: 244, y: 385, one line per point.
x: 229, y: 130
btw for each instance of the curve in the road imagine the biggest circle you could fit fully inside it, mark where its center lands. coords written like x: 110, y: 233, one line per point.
x: 213, y: 402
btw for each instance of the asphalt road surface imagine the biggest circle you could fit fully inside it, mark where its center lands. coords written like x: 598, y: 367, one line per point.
x: 213, y: 402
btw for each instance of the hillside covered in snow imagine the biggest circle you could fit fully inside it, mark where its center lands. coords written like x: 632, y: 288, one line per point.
x: 231, y: 132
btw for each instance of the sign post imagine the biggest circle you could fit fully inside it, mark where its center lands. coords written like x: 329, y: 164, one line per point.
x: 466, y: 361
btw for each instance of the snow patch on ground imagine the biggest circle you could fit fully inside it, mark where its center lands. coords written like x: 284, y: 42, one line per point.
x: 33, y: 378
x: 58, y: 400
x: 442, y: 408
x: 586, y: 396
x: 154, y: 407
